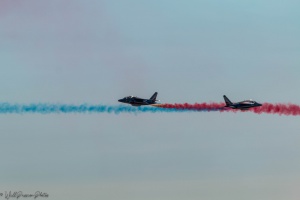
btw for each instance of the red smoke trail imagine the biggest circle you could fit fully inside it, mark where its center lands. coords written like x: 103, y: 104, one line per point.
x: 197, y: 106
x: 267, y: 108
x: 279, y: 108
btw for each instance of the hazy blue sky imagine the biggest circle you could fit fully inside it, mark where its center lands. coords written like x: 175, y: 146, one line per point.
x: 93, y: 51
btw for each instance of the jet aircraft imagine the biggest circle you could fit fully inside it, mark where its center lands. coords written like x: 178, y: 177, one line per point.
x: 243, y: 105
x: 136, y: 101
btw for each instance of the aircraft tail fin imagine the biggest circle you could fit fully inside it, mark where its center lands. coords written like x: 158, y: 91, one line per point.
x: 153, y: 98
x: 227, y: 101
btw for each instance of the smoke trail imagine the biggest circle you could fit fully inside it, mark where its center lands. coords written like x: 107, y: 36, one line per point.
x: 67, y: 108
x: 267, y: 108
x: 7, y: 108
x: 194, y: 107
x: 281, y: 109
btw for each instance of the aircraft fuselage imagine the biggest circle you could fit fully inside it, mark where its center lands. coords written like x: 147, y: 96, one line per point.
x: 136, y: 101
x: 243, y: 105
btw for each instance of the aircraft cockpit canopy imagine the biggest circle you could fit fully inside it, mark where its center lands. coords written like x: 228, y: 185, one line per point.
x: 250, y: 101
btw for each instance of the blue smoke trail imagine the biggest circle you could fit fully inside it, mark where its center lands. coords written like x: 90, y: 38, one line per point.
x: 42, y: 108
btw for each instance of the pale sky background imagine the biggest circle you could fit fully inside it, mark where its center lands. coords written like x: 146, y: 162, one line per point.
x: 93, y: 51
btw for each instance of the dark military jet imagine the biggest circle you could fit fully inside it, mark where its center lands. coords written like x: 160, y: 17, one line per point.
x: 136, y: 101
x: 243, y: 105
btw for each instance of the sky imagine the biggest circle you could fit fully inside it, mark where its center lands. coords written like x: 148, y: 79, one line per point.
x: 96, y: 52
